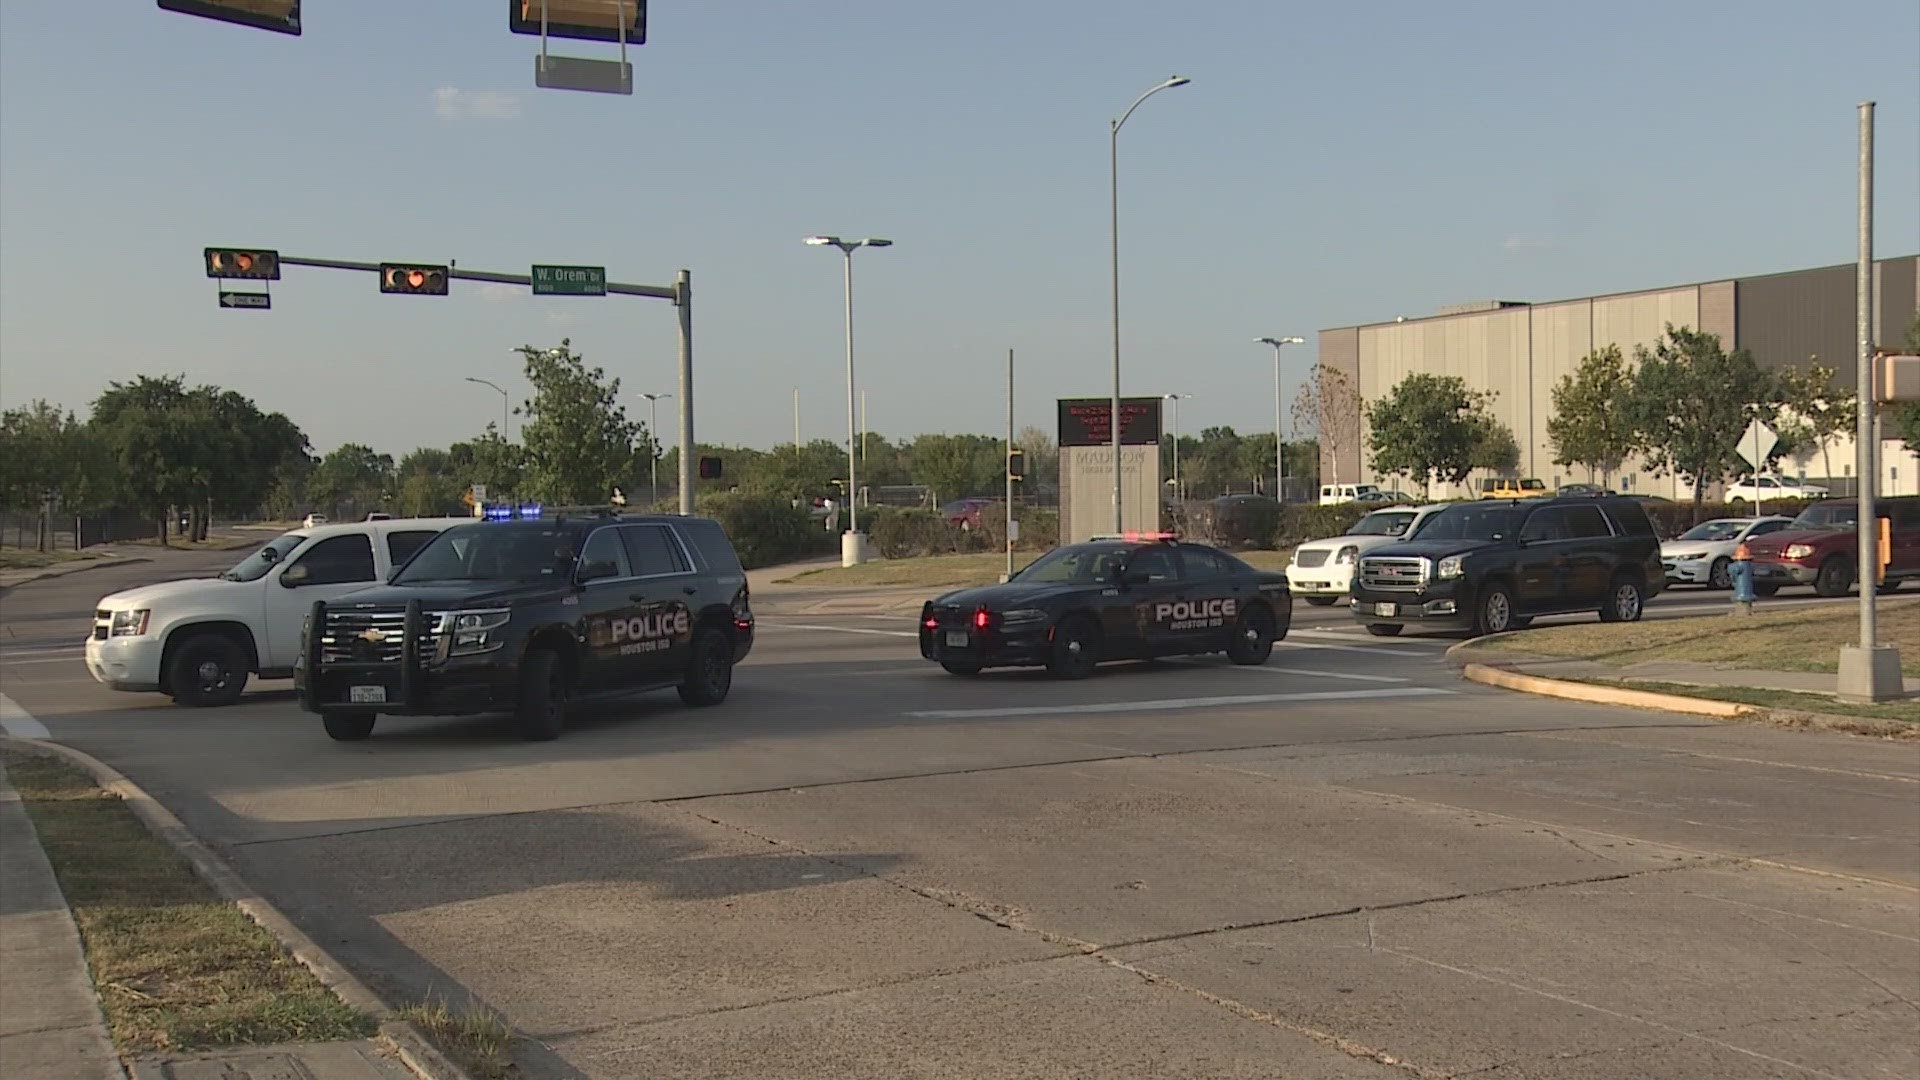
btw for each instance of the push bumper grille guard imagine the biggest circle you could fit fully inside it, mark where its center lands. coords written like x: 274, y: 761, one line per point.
x: 409, y: 648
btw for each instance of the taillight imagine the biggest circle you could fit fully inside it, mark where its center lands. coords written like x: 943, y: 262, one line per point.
x: 982, y: 619
x: 931, y: 623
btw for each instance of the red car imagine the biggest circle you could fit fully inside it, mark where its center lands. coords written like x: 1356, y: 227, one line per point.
x: 965, y: 513
x: 1821, y: 547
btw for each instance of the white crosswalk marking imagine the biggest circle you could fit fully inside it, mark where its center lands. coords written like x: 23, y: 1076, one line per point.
x: 20, y: 723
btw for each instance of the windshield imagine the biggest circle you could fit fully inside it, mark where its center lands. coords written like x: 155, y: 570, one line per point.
x: 1086, y: 565
x: 271, y: 554
x: 1382, y: 523
x: 1468, y: 523
x: 1828, y: 516
x: 492, y: 553
x: 1714, y: 530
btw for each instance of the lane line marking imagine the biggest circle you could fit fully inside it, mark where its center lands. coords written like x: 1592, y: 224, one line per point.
x: 47, y: 660
x: 840, y: 629
x: 1375, y: 650
x: 20, y: 723
x: 1170, y: 704
x: 62, y: 650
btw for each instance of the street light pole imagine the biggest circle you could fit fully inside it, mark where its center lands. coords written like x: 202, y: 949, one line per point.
x: 1176, y: 399
x: 1279, y: 411
x: 1113, y: 205
x: 506, y: 408
x: 653, y: 448
x: 853, y: 548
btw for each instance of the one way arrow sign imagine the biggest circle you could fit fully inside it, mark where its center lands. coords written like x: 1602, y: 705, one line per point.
x: 257, y: 300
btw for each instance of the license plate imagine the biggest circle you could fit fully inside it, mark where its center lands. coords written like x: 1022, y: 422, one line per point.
x: 956, y: 639
x: 1386, y: 609
x: 367, y: 695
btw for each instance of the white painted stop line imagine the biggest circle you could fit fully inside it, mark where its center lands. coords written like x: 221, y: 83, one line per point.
x: 1168, y: 704
x: 20, y: 723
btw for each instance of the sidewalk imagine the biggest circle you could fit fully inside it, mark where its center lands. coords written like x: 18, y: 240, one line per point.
x: 11, y: 578
x: 51, y: 1027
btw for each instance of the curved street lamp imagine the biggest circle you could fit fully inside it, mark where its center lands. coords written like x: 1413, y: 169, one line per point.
x: 1279, y: 410
x: 857, y: 553
x: 1113, y: 176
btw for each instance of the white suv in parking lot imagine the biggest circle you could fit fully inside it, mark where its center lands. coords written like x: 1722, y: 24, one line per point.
x: 1321, y: 571
x: 199, y: 639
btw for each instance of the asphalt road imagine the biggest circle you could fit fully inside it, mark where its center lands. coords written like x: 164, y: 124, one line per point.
x: 1347, y: 863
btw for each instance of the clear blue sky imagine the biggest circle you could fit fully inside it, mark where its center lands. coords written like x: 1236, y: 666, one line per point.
x: 1329, y: 164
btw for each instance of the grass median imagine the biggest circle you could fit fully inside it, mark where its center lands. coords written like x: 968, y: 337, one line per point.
x: 1793, y: 639
x: 176, y: 967
x: 958, y: 571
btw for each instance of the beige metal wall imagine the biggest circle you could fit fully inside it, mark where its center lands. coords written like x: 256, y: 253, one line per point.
x: 1086, y: 490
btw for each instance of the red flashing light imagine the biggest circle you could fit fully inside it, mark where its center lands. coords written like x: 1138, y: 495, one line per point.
x: 931, y: 623
x: 982, y: 619
x: 1139, y: 536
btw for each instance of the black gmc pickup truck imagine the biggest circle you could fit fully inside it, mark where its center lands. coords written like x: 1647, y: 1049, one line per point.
x: 1488, y: 567
x: 530, y: 618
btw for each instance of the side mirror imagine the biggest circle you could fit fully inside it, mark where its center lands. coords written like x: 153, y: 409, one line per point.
x: 296, y: 576
x: 270, y: 555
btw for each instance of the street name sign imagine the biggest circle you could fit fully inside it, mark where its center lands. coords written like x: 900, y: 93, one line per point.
x: 569, y: 280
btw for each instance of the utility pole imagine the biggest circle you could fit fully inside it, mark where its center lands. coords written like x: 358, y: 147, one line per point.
x: 796, y: 419
x: 1009, y: 469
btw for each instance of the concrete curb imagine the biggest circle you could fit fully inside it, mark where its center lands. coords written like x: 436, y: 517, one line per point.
x: 406, y: 1039
x: 1604, y: 695
x: 63, y: 569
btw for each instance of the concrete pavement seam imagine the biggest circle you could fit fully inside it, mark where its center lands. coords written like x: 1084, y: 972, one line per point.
x: 402, y: 1035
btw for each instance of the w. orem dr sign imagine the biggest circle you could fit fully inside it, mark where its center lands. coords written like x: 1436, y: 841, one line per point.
x: 569, y: 280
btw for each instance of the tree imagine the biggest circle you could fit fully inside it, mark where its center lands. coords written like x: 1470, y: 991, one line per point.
x: 428, y: 483
x: 1691, y: 402
x: 155, y: 441
x: 956, y: 465
x: 1592, y: 423
x: 1494, y: 447
x: 1043, y: 457
x: 1329, y: 405
x: 797, y: 472
x: 579, y: 442
x: 351, y: 480
x: 44, y: 458
x: 492, y: 462
x: 1428, y: 427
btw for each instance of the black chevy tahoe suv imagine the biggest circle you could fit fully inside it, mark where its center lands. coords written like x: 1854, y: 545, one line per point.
x: 1488, y: 567
x: 529, y: 618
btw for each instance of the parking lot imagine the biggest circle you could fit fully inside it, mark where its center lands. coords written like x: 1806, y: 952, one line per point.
x: 1344, y: 863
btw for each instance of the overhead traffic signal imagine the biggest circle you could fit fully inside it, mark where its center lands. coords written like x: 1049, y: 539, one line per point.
x: 280, y: 16
x: 257, y: 264
x: 584, y: 20
x: 417, y: 279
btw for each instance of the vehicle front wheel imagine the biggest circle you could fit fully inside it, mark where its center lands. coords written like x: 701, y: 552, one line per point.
x: 207, y: 670
x: 1385, y: 629
x: 1495, y: 613
x: 1835, y: 577
x: 1625, y: 601
x: 1721, y: 575
x: 347, y: 727
x: 1320, y: 601
x: 1076, y: 649
x: 710, y: 671
x: 542, y: 709
x: 1252, y: 640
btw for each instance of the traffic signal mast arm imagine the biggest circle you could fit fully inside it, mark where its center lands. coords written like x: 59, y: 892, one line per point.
x: 658, y: 292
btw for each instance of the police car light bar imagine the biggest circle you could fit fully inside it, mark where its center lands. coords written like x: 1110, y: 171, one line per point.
x: 1134, y: 537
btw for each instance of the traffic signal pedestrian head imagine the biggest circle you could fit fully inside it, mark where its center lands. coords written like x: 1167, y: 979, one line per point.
x: 257, y: 264
x: 709, y: 468
x: 1017, y: 464
x: 419, y: 279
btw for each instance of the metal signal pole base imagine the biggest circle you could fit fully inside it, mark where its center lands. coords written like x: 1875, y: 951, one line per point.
x: 1870, y: 674
x: 853, y: 548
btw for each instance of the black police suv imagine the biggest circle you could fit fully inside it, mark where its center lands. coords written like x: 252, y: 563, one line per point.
x: 1110, y: 599
x: 1491, y: 566
x: 531, y: 617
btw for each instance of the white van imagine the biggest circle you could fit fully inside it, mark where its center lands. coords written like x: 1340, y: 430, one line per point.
x: 1335, y: 494
x: 199, y: 639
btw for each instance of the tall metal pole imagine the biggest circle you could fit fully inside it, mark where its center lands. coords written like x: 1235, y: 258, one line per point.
x: 1279, y: 433
x: 1113, y: 205
x: 1009, y: 470
x: 683, y: 300
x: 653, y: 458
x: 853, y: 484
x: 863, y: 427
x: 1866, y: 467
x: 796, y: 419
x: 1177, y: 496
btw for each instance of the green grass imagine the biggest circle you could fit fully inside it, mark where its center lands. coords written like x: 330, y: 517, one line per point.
x: 1903, y: 712
x: 211, y: 543
x: 476, y: 1039
x: 176, y: 967
x: 1781, y: 640
x: 25, y: 559
x: 957, y: 571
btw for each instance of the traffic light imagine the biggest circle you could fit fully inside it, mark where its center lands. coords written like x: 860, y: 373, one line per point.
x: 280, y: 16
x: 584, y: 20
x: 1016, y: 464
x: 256, y: 264
x: 709, y: 468
x: 417, y: 279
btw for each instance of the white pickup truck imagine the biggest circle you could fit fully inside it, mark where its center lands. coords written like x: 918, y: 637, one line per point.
x: 198, y: 639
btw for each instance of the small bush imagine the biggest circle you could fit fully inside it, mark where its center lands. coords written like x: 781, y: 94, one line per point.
x: 900, y: 533
x: 1039, y: 528
x: 1300, y: 523
x: 766, y: 529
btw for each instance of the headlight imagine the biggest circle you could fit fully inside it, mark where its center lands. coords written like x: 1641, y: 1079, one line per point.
x: 1346, y: 556
x: 1449, y: 567
x: 1019, y: 616
x: 1687, y: 555
x: 472, y: 632
x: 1798, y: 551
x: 130, y: 623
